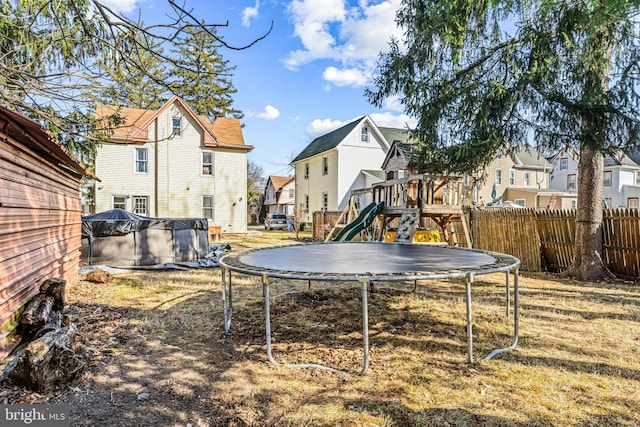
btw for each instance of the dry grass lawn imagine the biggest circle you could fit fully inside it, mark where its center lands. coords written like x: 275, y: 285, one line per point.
x: 577, y: 362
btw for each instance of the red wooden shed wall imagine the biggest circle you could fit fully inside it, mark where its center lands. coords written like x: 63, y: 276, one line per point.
x: 40, y: 220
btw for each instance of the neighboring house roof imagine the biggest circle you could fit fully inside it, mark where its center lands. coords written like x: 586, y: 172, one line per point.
x: 280, y: 181
x: 38, y: 138
x: 327, y: 142
x: 223, y: 132
x: 620, y: 159
x: 528, y: 157
x: 394, y: 134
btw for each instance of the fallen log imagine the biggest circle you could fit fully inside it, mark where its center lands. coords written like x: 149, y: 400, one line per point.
x: 51, y: 360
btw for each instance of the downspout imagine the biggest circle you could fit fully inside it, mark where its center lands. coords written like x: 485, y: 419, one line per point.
x: 155, y: 169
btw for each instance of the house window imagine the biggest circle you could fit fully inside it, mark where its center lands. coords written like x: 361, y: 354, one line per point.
x: 571, y: 182
x: 573, y: 204
x: 291, y: 195
x: 638, y: 178
x: 364, y: 134
x: 527, y: 179
x: 207, y: 163
x: 512, y: 178
x: 176, y: 124
x: 306, y: 171
x: 325, y: 165
x: 306, y: 203
x: 564, y: 164
x: 632, y: 203
x: 465, y: 180
x: 325, y: 201
x: 498, y: 180
x: 207, y: 207
x: 119, y: 202
x: 142, y: 161
x: 141, y: 205
x: 520, y: 202
x: 606, y: 203
x: 606, y: 179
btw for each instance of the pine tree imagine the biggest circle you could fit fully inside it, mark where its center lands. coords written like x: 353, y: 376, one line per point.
x: 136, y: 84
x: 480, y: 76
x: 202, y: 77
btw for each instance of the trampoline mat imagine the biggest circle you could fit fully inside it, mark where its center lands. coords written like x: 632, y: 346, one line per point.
x: 360, y: 258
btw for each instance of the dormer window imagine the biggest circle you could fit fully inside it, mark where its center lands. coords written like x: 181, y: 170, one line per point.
x: 176, y: 123
x: 364, y: 134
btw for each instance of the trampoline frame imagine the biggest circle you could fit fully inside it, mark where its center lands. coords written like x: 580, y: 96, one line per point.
x: 504, y: 263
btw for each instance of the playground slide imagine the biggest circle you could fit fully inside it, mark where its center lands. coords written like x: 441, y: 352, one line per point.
x: 363, y: 220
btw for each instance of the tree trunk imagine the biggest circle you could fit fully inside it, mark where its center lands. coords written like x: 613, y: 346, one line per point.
x: 588, y: 261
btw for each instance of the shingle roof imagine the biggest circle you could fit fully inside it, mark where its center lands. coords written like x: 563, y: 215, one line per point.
x: 327, y: 142
x: 225, y: 131
x: 528, y: 156
x: 280, y: 181
x: 621, y: 159
x: 394, y: 134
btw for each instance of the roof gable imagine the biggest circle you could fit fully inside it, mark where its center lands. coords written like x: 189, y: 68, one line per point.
x: 527, y: 157
x: 279, y: 182
x: 223, y: 132
x: 400, y: 149
x: 327, y: 142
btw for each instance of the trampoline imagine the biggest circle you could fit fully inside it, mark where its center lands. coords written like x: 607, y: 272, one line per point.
x: 366, y: 263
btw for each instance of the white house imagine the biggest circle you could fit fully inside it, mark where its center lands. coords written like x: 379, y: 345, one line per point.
x: 620, y: 178
x: 279, y: 194
x: 172, y: 163
x: 333, y: 165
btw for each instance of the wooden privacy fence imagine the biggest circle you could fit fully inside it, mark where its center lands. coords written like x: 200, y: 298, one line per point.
x: 509, y: 231
x: 545, y: 240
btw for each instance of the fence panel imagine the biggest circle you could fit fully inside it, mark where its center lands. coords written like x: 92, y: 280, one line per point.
x: 510, y: 231
x: 621, y: 229
x: 556, y: 230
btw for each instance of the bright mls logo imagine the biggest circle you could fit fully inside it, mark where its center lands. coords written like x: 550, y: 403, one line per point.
x: 35, y: 415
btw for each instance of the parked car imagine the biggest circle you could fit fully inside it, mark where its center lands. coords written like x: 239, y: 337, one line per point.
x: 275, y: 221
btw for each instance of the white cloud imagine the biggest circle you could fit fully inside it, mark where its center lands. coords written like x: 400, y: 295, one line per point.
x: 122, y: 6
x: 352, y: 36
x: 399, y: 121
x: 249, y: 13
x: 345, y: 77
x: 270, y: 112
x: 321, y: 126
x: 393, y: 103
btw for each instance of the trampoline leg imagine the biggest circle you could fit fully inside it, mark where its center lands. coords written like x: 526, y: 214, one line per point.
x: 469, y: 281
x: 516, y: 318
x: 365, y: 330
x: 267, y: 317
x: 508, y: 274
x: 365, y: 325
x: 227, y: 304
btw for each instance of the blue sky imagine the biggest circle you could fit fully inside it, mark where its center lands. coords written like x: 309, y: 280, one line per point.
x: 307, y: 77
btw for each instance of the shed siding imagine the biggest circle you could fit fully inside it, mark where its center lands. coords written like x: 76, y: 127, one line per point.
x: 40, y: 228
